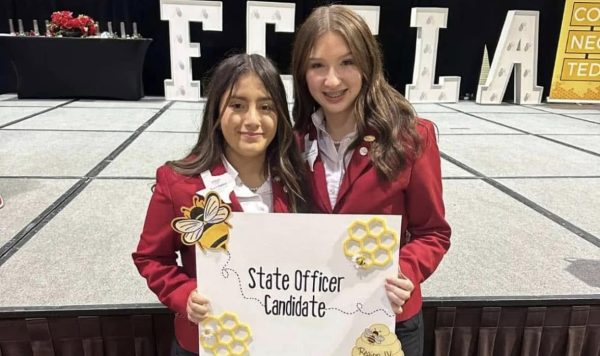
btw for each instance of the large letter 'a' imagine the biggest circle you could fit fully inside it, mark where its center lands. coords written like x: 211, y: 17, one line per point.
x: 518, y: 48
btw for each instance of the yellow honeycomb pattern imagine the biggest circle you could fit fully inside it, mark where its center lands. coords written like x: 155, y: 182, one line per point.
x: 370, y: 243
x: 560, y: 91
x: 225, y: 335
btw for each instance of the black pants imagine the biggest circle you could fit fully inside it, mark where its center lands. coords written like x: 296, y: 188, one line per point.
x: 177, y: 350
x: 410, y: 333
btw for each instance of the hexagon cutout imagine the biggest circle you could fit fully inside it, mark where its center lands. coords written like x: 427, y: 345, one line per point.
x: 238, y: 348
x: 241, y: 333
x: 376, y: 226
x: 369, y: 243
x: 358, y: 230
x: 388, y: 240
x: 225, y: 337
x: 382, y: 257
x: 351, y: 247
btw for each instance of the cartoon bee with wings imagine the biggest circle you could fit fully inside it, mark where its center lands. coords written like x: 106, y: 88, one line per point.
x: 373, y: 336
x: 205, y: 222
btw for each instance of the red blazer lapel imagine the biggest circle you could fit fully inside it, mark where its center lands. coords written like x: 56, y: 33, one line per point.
x: 358, y: 165
x: 280, y: 198
x: 235, y: 202
x: 319, y: 181
x: 319, y: 186
x: 218, y: 168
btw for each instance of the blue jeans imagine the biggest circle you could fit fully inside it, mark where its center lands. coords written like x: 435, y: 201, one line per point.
x: 411, y: 335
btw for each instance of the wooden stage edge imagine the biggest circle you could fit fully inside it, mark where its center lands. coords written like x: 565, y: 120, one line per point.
x: 157, y: 308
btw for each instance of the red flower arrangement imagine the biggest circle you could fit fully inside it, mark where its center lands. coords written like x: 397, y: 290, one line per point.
x: 62, y: 23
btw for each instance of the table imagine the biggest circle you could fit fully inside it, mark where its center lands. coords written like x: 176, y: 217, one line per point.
x: 59, y: 67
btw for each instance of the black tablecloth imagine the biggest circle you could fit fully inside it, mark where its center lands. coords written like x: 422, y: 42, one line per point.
x: 49, y: 67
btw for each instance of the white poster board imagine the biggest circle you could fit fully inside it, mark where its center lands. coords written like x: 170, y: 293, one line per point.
x: 309, y: 263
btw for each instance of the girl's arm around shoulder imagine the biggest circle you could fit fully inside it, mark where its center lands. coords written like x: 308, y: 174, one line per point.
x: 155, y: 257
x: 427, y: 228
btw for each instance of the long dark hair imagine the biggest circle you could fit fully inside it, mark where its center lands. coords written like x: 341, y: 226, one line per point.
x: 379, y: 108
x: 283, y: 157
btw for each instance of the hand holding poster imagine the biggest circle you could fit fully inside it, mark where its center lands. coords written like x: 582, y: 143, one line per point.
x: 299, y: 284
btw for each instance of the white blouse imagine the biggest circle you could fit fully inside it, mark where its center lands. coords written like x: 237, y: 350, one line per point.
x: 334, y: 159
x: 259, y: 202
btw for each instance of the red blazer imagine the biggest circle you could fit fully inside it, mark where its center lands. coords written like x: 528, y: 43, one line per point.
x: 155, y: 256
x: 416, y: 194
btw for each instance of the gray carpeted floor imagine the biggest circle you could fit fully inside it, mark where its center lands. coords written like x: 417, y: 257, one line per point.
x: 521, y: 186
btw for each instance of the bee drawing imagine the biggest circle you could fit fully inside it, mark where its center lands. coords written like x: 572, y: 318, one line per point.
x: 205, y: 222
x: 372, y: 336
x: 359, y: 260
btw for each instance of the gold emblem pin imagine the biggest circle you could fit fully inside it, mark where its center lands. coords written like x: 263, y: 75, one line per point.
x: 369, y: 138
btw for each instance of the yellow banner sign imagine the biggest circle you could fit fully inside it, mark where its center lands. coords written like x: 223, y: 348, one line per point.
x: 576, y: 76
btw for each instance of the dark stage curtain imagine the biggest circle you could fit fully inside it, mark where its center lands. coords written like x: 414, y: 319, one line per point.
x: 114, y: 335
x: 449, y: 331
x: 471, y: 25
x: 513, y: 331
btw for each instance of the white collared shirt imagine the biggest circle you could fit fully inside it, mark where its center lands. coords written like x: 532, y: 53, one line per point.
x: 259, y: 202
x: 334, y: 160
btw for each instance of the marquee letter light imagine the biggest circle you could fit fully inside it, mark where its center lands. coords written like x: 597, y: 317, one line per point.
x: 260, y: 13
x: 428, y: 21
x: 180, y: 13
x: 518, y: 47
x: 368, y: 13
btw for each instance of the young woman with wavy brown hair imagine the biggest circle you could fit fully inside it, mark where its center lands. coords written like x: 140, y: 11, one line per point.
x: 282, y: 157
x: 246, y: 143
x: 367, y: 152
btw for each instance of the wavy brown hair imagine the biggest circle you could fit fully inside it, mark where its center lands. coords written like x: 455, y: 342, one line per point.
x: 379, y: 109
x: 283, y: 157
